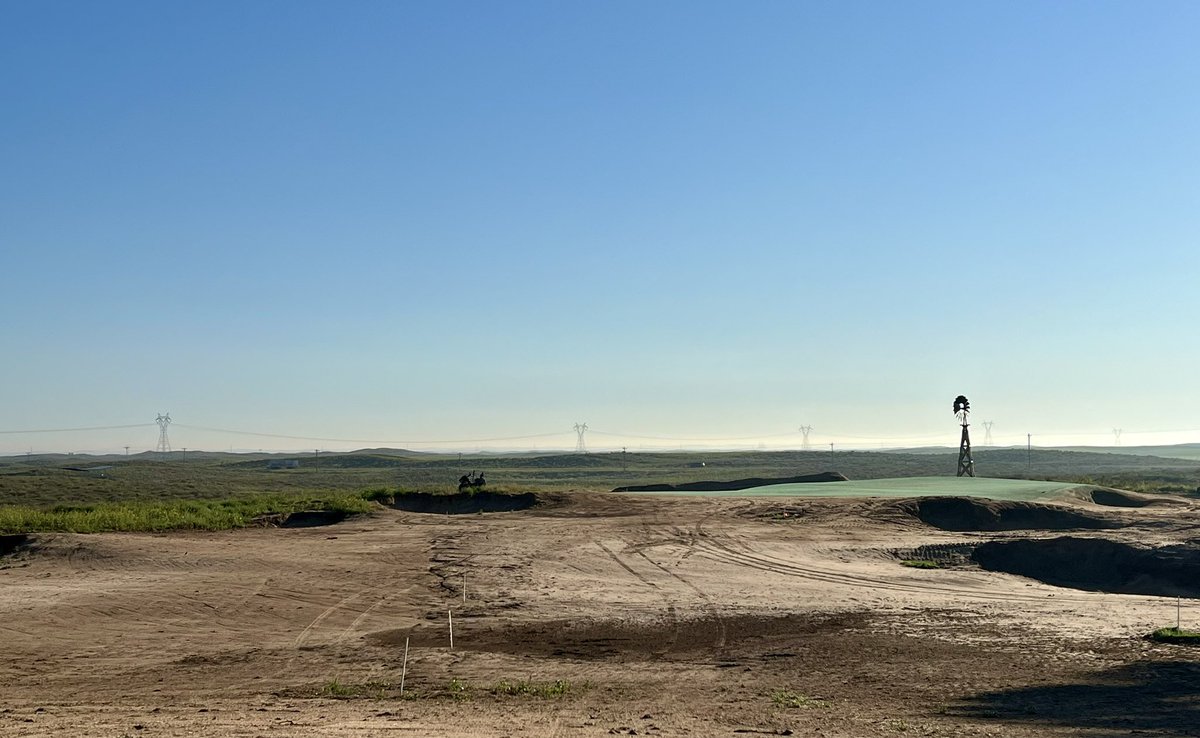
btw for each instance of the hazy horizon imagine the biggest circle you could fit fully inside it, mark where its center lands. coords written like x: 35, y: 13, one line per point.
x: 447, y: 226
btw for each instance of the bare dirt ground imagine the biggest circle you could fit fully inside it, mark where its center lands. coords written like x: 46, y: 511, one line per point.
x: 663, y: 616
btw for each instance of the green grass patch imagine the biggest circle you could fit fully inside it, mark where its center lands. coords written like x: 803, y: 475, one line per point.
x: 788, y: 698
x: 146, y: 515
x: 556, y: 688
x: 1177, y: 636
x: 921, y: 564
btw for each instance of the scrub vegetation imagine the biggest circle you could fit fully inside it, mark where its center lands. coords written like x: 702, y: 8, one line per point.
x: 1177, y: 636
x: 74, y: 480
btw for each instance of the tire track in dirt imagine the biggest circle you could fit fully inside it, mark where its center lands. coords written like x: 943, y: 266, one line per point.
x: 730, y: 550
x: 672, y: 613
x: 328, y: 612
x: 707, y: 603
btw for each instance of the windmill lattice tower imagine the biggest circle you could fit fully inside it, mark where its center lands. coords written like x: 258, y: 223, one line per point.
x: 966, y: 465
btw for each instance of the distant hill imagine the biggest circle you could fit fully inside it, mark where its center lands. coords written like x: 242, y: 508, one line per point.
x: 1190, y: 451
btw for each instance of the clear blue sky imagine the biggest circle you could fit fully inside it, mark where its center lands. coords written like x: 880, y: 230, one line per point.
x: 690, y: 220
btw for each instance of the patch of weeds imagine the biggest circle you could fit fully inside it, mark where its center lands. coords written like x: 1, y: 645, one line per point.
x: 788, y: 698
x: 556, y: 688
x: 382, y: 495
x: 338, y: 690
x: 921, y: 564
x: 897, y: 725
x: 1176, y: 636
x: 334, y: 688
x: 457, y: 689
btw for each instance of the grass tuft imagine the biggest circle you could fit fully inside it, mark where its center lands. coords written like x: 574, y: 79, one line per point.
x: 556, y: 688
x: 921, y: 564
x: 1177, y: 636
x: 788, y: 698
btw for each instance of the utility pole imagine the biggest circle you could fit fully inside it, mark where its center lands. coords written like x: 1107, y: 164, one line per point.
x: 1028, y: 452
x: 317, y: 458
x: 185, y: 453
x: 126, y: 450
x: 580, y: 446
x: 623, y: 466
x: 987, y: 436
x: 1117, y: 436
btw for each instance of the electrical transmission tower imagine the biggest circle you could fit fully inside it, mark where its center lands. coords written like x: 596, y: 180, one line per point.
x: 805, y: 445
x: 1117, y: 436
x: 987, y: 436
x: 580, y: 446
x: 966, y: 465
x: 164, y: 443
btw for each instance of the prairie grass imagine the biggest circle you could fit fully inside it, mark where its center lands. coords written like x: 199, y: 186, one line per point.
x: 144, y: 515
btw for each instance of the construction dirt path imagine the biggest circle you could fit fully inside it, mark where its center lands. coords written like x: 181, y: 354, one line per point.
x: 592, y: 614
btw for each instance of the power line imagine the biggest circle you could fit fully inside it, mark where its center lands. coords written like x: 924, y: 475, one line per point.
x: 365, y: 440
x: 580, y: 446
x: 673, y: 438
x: 75, y: 430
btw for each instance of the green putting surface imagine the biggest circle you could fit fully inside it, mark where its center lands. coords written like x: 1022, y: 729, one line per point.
x: 994, y: 489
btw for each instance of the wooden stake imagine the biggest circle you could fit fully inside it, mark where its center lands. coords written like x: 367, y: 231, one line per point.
x: 404, y: 667
x: 464, y: 588
x: 450, y: 618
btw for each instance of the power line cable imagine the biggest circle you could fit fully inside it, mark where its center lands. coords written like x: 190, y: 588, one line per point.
x: 73, y: 430
x: 365, y: 440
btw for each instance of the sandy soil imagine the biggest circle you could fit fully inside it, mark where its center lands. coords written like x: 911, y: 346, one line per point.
x: 665, y: 616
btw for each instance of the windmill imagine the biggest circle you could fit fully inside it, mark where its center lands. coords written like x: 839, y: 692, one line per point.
x: 966, y: 465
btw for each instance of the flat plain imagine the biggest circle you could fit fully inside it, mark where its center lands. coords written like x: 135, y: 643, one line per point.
x: 599, y: 613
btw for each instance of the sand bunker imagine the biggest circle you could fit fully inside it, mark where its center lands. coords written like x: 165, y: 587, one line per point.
x: 1122, y: 498
x: 975, y: 514
x: 463, y: 503
x: 10, y: 544
x: 1097, y: 564
x: 300, y: 519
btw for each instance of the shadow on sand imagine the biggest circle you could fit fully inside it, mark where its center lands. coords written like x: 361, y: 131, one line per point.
x: 1159, y: 698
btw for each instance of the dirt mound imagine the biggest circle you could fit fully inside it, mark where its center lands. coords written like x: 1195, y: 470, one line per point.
x: 12, y: 543
x: 734, y: 485
x: 463, y: 503
x: 1098, y: 565
x: 974, y: 514
x: 1122, y: 498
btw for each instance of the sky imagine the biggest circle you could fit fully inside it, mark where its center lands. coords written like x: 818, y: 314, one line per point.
x: 467, y: 225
